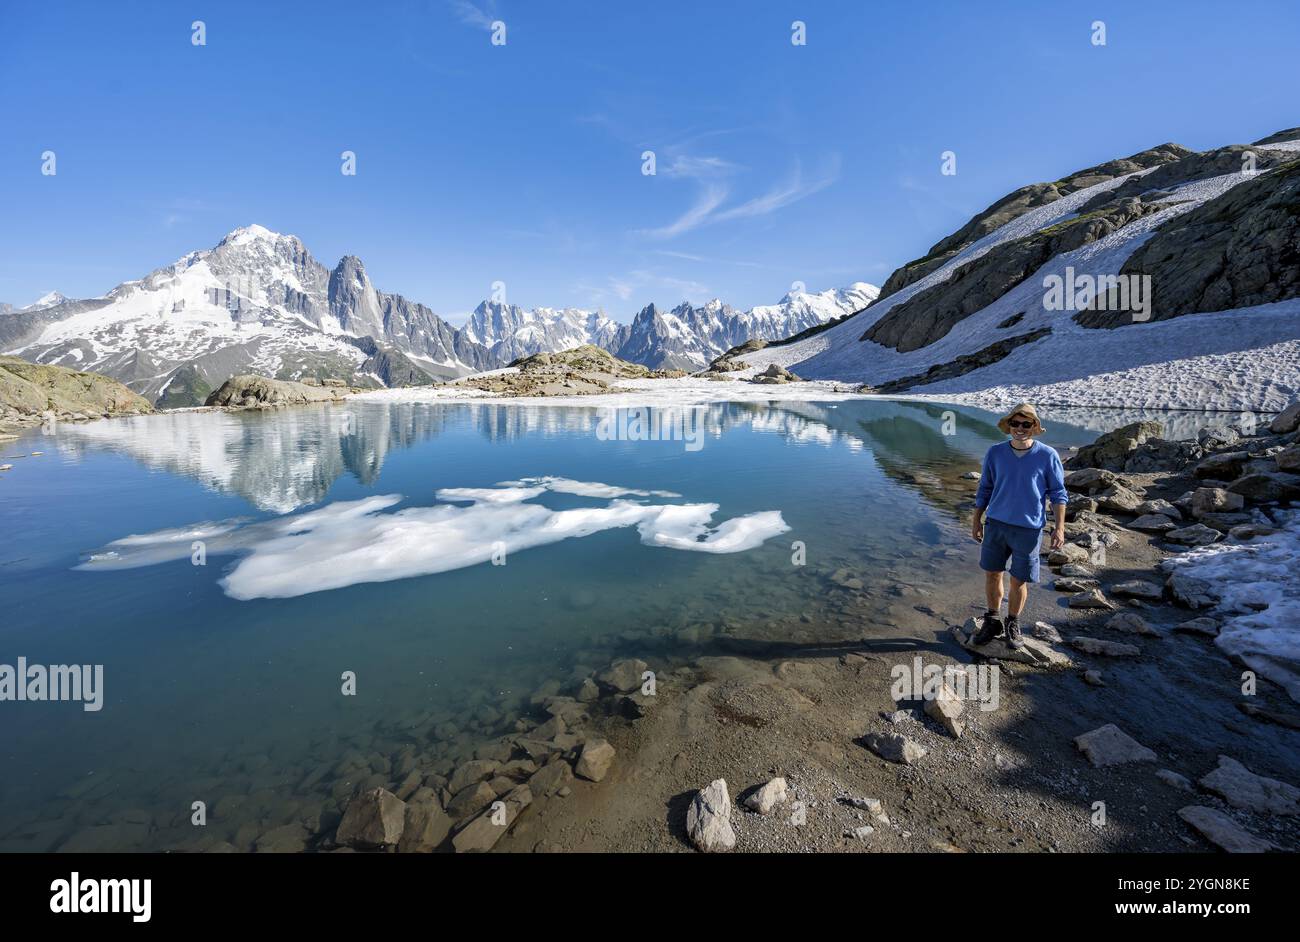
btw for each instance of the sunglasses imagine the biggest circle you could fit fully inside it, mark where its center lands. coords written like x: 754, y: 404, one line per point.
x: 1021, y: 424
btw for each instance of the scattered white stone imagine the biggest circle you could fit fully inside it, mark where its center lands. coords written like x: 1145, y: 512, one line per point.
x: 946, y: 709
x: 1132, y: 623
x: 1174, y: 780
x: 594, y: 762
x: 708, y: 819
x: 894, y: 748
x: 1220, y: 830
x: 1139, y: 589
x: 1105, y: 648
x: 1242, y: 788
x: 1110, y: 745
x: 765, y: 800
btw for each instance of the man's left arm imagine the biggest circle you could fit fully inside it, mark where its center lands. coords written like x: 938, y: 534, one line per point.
x: 1057, y: 497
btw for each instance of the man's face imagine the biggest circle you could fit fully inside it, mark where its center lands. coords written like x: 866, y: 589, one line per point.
x: 1021, y: 427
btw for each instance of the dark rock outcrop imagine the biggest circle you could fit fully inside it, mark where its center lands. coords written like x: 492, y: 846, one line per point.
x: 929, y: 315
x: 1238, y: 250
x: 963, y: 364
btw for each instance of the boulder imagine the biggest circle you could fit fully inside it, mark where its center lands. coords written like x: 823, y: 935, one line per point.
x: 1174, y: 780
x: 372, y: 819
x: 1132, y: 623
x: 1221, y: 831
x: 1289, y: 459
x: 1159, y: 507
x: 1110, y: 745
x: 476, y: 770
x: 471, y: 800
x: 1112, y: 450
x: 708, y: 819
x: 1074, y: 585
x: 623, y: 676
x: 1224, y: 466
x: 1287, y: 421
x: 427, y: 826
x: 893, y: 747
x: 1199, y: 626
x: 595, y: 759
x: 1153, y: 523
x: 250, y: 391
x: 550, y: 778
x: 1198, y: 534
x: 1104, y: 648
x: 483, y: 833
x: 1215, y: 500
x: 1242, y: 788
x: 1068, y: 553
x: 1118, y: 499
x: 1090, y: 598
x: 765, y: 799
x: 1268, y: 486
x: 946, y: 709
x: 1225, y: 523
x: 1191, y: 592
x: 1089, y: 480
x: 1139, y: 589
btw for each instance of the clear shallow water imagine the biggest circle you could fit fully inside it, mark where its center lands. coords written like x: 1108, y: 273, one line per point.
x: 208, y: 696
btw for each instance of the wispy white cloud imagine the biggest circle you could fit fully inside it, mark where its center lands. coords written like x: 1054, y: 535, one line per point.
x: 708, y: 207
x: 471, y: 15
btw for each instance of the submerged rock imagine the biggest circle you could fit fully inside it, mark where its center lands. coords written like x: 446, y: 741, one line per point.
x: 372, y: 819
x: 483, y: 833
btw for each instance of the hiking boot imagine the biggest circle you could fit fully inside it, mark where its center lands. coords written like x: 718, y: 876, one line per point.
x: 1015, y: 640
x: 991, y: 628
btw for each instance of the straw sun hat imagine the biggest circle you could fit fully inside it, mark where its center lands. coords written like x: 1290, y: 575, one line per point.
x: 1027, y: 410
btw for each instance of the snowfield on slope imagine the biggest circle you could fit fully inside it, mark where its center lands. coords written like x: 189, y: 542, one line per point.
x: 1248, y: 359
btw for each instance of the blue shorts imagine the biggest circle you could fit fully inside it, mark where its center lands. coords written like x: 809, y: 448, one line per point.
x: 1005, y: 541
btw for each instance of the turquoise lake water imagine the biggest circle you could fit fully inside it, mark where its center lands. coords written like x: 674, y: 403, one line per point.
x: 223, y: 680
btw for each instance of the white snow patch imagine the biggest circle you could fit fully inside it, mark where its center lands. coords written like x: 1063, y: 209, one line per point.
x: 1258, y: 585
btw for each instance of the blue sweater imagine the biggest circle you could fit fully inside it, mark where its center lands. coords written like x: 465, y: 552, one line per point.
x: 1014, y: 489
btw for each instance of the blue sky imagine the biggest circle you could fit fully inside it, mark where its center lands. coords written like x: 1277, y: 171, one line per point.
x: 522, y: 163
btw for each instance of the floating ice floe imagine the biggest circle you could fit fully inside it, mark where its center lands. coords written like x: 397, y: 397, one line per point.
x: 351, y: 542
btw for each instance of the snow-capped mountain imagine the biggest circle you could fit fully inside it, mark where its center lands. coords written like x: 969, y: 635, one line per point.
x: 1166, y: 279
x: 256, y: 302
x: 510, y: 332
x: 689, y: 337
x: 46, y: 300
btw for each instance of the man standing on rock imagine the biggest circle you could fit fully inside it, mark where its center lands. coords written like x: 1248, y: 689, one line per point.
x: 1020, y: 477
